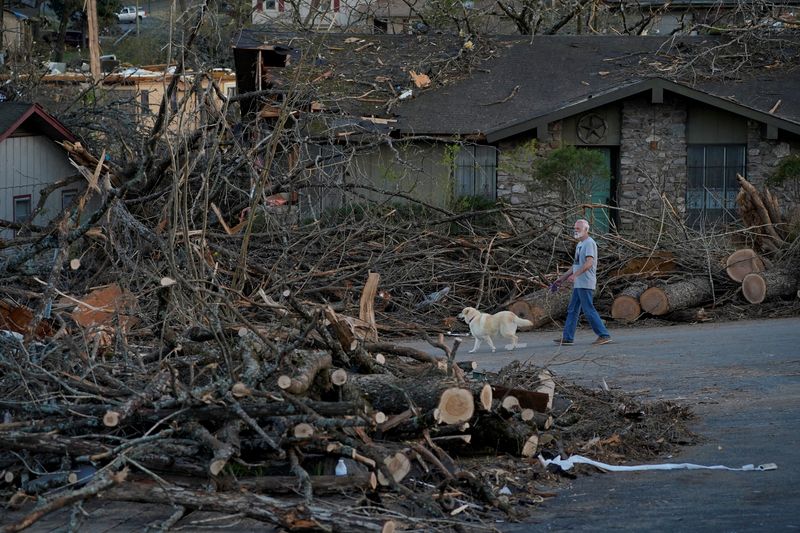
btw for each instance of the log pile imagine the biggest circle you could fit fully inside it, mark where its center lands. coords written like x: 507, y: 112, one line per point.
x: 257, y: 416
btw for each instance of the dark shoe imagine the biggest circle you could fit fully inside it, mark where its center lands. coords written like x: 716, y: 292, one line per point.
x: 602, y: 340
x: 563, y: 342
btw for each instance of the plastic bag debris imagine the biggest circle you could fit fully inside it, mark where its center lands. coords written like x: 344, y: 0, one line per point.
x: 566, y: 464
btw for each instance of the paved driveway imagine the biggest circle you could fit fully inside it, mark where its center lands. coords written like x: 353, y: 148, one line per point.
x: 743, y: 380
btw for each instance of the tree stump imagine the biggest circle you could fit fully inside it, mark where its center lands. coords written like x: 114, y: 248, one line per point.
x: 662, y: 300
x: 758, y: 287
x: 743, y: 262
x: 626, y: 305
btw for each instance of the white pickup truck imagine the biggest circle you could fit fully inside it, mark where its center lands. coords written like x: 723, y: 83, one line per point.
x: 130, y: 14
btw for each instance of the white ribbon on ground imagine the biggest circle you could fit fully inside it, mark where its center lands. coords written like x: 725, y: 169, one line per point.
x: 566, y: 464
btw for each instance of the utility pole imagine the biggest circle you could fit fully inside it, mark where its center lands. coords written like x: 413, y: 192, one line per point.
x: 94, y: 39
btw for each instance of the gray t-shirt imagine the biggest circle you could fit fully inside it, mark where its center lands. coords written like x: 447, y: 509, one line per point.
x: 584, y: 249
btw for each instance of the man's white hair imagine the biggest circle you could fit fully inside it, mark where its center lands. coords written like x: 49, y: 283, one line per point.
x: 583, y: 223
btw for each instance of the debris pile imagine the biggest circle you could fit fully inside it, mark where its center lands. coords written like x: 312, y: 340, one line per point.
x: 278, y: 416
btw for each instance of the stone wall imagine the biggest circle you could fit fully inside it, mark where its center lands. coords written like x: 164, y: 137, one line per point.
x: 652, y: 159
x: 516, y: 184
x: 763, y: 157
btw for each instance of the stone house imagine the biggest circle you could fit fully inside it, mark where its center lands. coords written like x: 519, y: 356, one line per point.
x: 670, y: 137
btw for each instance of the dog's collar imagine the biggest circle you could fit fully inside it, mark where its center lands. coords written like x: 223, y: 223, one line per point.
x: 470, y: 319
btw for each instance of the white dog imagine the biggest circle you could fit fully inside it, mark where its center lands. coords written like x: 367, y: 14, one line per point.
x: 483, y: 326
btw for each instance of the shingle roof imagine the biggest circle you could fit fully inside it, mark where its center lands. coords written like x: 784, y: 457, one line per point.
x: 507, y: 82
x: 550, y: 73
x: 15, y: 114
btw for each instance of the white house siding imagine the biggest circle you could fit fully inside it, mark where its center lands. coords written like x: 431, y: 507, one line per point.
x: 27, y: 164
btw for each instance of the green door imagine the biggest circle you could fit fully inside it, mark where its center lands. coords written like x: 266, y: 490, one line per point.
x: 600, y: 193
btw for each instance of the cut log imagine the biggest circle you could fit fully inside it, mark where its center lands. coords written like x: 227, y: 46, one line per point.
x: 398, y: 466
x: 662, y: 300
x: 527, y: 399
x: 759, y: 287
x: 455, y: 406
x: 743, y: 262
x: 543, y: 306
x: 404, y: 351
x: 339, y: 377
x: 530, y: 447
x: 303, y: 431
x: 547, y: 386
x: 540, y: 420
x: 240, y: 390
x: 521, y: 308
x: 467, y: 366
x: 313, y: 362
x: 111, y: 419
x: 510, y: 403
x: 392, y: 395
x: 626, y: 305
x: 486, y: 396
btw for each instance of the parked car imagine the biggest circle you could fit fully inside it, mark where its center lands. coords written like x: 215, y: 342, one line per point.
x: 130, y: 14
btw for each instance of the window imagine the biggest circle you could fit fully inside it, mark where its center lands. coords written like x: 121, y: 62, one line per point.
x: 67, y: 197
x: 22, y: 208
x: 230, y: 92
x: 476, y: 171
x: 173, y: 102
x: 144, y: 100
x: 712, y: 188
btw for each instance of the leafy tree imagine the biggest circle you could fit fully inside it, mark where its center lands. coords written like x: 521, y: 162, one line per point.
x: 572, y: 171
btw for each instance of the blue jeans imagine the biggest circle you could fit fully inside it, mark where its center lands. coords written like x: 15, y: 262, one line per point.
x: 582, y: 301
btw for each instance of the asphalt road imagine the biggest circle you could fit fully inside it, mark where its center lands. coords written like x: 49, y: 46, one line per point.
x: 743, y: 381
x: 741, y: 378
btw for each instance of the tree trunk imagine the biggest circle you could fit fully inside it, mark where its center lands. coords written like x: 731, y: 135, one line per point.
x: 662, y: 300
x: 758, y: 287
x: 626, y: 305
x: 392, y: 395
x: 304, y: 377
x: 543, y: 306
x: 743, y: 262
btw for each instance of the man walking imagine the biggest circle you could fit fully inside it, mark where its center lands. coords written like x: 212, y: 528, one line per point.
x: 583, y: 275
